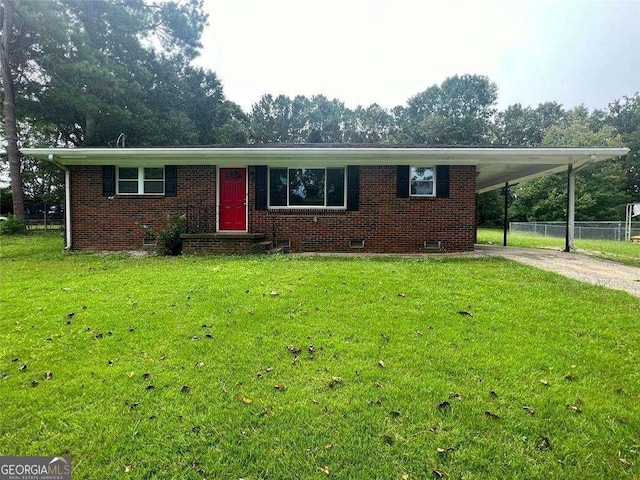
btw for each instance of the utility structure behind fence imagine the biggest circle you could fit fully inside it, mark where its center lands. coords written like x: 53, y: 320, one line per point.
x: 583, y: 230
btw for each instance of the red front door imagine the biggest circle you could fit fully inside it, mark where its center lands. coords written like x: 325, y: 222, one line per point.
x: 233, y: 193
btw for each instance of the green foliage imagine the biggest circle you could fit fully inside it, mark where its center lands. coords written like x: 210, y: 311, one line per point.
x: 458, y: 112
x: 169, y: 241
x: 600, y: 188
x: 99, y: 323
x: 11, y: 226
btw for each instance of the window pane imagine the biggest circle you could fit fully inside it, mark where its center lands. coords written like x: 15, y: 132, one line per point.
x: 422, y: 181
x: 153, y: 186
x: 335, y: 187
x: 306, y: 187
x: 278, y: 187
x: 127, y: 186
x: 154, y: 173
x: 127, y: 173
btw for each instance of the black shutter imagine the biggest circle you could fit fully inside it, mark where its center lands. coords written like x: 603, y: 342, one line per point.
x: 170, y: 181
x: 402, y: 186
x: 442, y: 181
x: 108, y: 180
x: 261, y: 187
x: 353, y: 188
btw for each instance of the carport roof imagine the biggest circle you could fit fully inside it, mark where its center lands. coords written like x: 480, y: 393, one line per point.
x: 494, y: 166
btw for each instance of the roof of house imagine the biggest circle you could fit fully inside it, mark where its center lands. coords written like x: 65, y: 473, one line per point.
x: 494, y: 166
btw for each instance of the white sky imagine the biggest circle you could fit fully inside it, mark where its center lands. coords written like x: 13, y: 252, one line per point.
x: 379, y: 51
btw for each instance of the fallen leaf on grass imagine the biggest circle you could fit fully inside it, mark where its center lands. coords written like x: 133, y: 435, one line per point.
x: 529, y: 410
x: 325, y: 470
x: 328, y: 446
x: 247, y: 400
x: 381, y: 363
x: 624, y: 461
x: 574, y: 408
x: 274, y: 293
x: 544, y: 382
x: 442, y: 451
x: 491, y: 414
x: 269, y: 369
x: 128, y: 468
x: 199, y: 364
x: 334, y: 381
x: 378, y: 385
x: 543, y: 443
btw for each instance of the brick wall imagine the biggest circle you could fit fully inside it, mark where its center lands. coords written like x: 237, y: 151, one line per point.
x: 385, y: 223
x: 102, y: 223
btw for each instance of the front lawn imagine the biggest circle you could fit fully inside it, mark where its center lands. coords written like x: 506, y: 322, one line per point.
x: 289, y: 367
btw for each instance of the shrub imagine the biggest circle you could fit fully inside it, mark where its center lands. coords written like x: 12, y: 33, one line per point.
x: 11, y: 226
x: 169, y: 241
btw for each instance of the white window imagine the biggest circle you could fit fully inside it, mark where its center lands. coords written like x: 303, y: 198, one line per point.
x: 422, y: 182
x: 140, y: 181
x: 307, y: 187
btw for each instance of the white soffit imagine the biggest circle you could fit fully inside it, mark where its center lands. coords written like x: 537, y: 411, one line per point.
x: 494, y: 166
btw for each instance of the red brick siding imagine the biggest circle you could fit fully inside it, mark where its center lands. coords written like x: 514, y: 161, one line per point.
x: 385, y: 223
x: 102, y: 223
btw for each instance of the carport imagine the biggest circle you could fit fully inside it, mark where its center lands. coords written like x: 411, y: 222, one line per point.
x: 509, y: 166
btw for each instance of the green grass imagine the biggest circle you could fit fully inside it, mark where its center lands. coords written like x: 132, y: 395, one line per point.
x: 622, y: 252
x: 73, y: 314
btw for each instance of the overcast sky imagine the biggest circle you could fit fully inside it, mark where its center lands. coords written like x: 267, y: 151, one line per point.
x: 377, y: 51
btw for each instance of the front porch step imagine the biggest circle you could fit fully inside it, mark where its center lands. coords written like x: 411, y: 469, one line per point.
x: 225, y: 243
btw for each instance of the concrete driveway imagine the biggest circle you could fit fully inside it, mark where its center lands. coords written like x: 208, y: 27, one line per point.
x: 573, y: 265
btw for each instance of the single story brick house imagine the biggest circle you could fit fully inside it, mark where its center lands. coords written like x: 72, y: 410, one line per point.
x: 305, y: 198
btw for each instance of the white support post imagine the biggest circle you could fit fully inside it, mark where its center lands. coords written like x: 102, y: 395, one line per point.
x: 571, y: 209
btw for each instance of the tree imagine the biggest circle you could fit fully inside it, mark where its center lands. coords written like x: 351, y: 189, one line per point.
x: 11, y: 33
x: 524, y: 127
x: 367, y: 125
x: 624, y: 115
x: 458, y: 112
x: 600, y: 188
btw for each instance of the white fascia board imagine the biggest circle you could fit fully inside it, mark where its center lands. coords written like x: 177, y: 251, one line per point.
x: 328, y: 156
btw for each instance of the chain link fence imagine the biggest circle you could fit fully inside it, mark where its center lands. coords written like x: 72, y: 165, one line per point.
x: 583, y: 230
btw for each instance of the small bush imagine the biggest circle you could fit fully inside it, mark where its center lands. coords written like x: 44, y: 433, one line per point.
x: 11, y: 226
x: 169, y: 241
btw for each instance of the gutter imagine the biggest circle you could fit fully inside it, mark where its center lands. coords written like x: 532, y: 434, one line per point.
x: 67, y: 201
